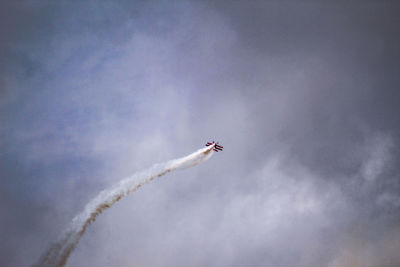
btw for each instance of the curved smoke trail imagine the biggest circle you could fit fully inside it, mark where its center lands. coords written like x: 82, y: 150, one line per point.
x: 59, y: 252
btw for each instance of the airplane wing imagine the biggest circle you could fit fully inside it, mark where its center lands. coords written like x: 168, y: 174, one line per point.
x: 216, y: 147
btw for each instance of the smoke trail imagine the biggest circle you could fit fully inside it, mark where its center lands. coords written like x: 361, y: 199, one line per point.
x: 59, y: 252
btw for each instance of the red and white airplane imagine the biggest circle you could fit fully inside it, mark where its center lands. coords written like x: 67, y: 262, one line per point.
x: 216, y: 146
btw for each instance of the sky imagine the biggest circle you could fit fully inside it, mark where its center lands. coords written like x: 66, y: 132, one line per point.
x: 302, y: 95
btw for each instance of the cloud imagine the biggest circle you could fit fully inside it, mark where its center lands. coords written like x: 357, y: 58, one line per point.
x: 303, y: 96
x: 379, y: 252
x: 379, y: 155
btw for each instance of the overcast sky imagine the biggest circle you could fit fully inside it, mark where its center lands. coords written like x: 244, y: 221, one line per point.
x: 304, y: 97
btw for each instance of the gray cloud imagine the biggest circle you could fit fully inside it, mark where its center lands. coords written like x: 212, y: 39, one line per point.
x: 302, y: 95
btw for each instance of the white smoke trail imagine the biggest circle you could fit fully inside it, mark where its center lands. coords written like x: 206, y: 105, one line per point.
x: 59, y: 252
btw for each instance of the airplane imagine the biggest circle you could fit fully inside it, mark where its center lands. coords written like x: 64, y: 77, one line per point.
x: 216, y: 146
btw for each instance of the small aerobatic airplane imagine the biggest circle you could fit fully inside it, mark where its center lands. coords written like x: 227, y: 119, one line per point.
x: 216, y: 147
